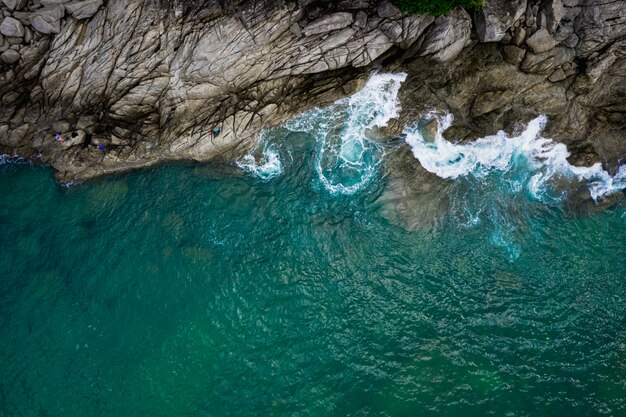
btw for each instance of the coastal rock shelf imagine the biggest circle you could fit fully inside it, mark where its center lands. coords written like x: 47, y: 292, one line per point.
x: 147, y: 83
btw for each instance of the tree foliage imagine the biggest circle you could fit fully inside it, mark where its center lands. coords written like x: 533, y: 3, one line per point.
x: 435, y: 7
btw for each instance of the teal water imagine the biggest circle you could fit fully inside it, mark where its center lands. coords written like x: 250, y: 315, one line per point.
x: 205, y: 291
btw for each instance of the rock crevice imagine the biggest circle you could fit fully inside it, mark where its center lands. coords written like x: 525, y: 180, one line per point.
x: 147, y: 84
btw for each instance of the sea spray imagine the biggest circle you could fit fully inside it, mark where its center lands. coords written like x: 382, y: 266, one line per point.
x: 266, y: 166
x: 500, y: 179
x: 346, y: 159
x: 541, y: 162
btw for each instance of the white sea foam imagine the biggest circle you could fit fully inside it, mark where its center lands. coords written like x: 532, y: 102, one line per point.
x: 267, y: 167
x: 543, y: 160
x: 346, y: 159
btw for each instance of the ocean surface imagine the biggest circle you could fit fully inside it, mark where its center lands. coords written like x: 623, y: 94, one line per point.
x: 312, y: 279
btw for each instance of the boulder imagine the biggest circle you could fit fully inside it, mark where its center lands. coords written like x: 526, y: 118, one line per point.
x: 557, y: 75
x: 447, y: 36
x: 571, y: 41
x: 28, y: 35
x: 546, y: 62
x: 53, y: 2
x: 328, y: 23
x: 10, y: 56
x: 495, y: 17
x: 361, y: 20
x: 599, y: 24
x: 296, y: 30
x: 15, y: 4
x: 519, y: 36
x: 553, y: 12
x: 388, y: 9
x: 393, y: 30
x: 540, y: 41
x: 83, y: 9
x: 48, y: 19
x: 11, y: 27
x: 513, y: 54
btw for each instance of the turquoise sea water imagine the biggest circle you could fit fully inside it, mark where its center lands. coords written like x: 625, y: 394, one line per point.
x: 207, y: 291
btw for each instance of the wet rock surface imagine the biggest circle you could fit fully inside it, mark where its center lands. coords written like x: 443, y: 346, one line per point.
x: 148, y: 84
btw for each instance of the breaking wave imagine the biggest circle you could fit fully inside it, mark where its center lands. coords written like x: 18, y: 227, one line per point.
x: 541, y: 163
x: 266, y: 167
x: 346, y: 160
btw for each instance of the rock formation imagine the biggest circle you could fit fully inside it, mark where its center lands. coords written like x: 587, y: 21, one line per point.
x: 149, y: 83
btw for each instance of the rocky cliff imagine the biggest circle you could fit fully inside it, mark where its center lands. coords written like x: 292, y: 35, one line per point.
x: 149, y: 82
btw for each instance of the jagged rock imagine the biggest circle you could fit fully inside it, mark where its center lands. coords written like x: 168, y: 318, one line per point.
x: 599, y: 24
x: 553, y: 12
x: 519, y: 36
x: 10, y: 56
x: 328, y: 23
x: 393, y: 30
x: 495, y: 17
x: 571, y: 41
x: 48, y: 19
x: 16, y: 135
x: 15, y: 4
x: 52, y: 2
x: 489, y: 101
x: 546, y: 62
x: 23, y: 17
x: 387, y: 9
x: 447, y: 37
x: 353, y: 4
x: 296, y: 29
x: 164, y: 80
x: 602, y: 63
x: 557, y: 75
x: 11, y: 27
x: 87, y: 123
x: 540, y: 41
x: 83, y: 9
x: 361, y: 20
x: 513, y: 54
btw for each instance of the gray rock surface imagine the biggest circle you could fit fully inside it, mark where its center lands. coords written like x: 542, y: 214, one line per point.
x: 150, y: 83
x: 15, y: 4
x: 48, y: 19
x: 495, y: 17
x: 448, y: 36
x: 328, y: 23
x: 10, y: 56
x: 540, y: 41
x: 11, y: 27
x: 83, y: 9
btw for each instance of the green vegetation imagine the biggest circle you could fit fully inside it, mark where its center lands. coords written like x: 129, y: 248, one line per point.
x: 435, y: 7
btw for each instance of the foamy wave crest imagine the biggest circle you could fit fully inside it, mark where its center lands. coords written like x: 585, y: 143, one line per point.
x: 267, y: 167
x: 8, y: 159
x: 542, y: 162
x: 347, y: 160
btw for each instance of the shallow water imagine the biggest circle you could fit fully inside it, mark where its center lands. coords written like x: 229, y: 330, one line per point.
x: 207, y: 291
